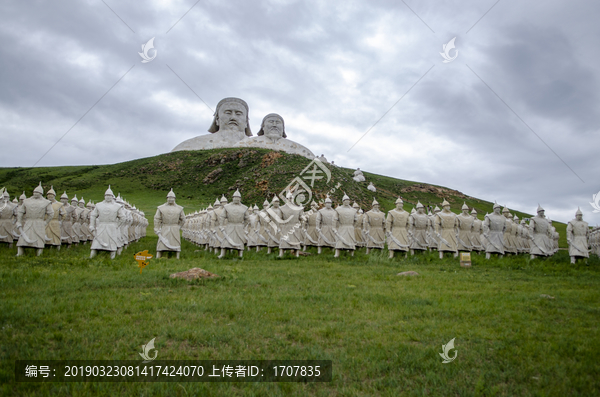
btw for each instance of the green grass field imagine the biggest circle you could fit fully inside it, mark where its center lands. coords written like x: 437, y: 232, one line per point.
x: 382, y: 332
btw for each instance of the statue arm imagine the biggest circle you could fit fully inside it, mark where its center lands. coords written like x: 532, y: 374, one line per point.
x: 181, y: 218
x: 569, y: 232
x: 20, y: 212
x: 93, y: 216
x: 157, y: 221
x: 49, y: 213
x: 387, y: 225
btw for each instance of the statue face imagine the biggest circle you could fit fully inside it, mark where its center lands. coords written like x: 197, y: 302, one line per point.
x: 275, y: 204
x: 399, y: 206
x: 108, y: 198
x: 64, y: 201
x: 171, y: 200
x: 421, y: 211
x: 232, y: 117
x: 328, y: 205
x: 237, y: 200
x: 497, y: 210
x: 347, y: 202
x: 273, y: 127
x: 37, y: 195
x: 50, y: 196
x: 579, y: 217
x: 446, y: 208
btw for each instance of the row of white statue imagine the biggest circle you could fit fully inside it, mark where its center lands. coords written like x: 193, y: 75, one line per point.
x: 224, y: 226
x: 37, y: 222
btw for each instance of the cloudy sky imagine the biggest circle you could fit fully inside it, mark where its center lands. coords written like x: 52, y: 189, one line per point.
x: 515, y: 117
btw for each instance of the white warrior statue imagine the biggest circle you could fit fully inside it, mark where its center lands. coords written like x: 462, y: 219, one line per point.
x: 8, y: 216
x: 252, y: 227
x: 539, y: 229
x: 104, y: 225
x: 417, y: 226
x: 358, y: 232
x: 76, y: 226
x: 53, y: 228
x: 66, y: 226
x: 509, y: 244
x: 464, y: 227
x: 396, y: 225
x: 446, y: 226
x: 433, y: 239
x: 494, y: 226
x: 325, y: 225
x: 374, y: 227
x: 344, y: 221
x: 578, y: 237
x: 273, y: 230
x: 32, y: 218
x: 84, y: 222
x: 232, y: 222
x: 476, y: 231
x: 516, y: 235
x: 168, y: 220
x: 311, y: 235
x: 291, y: 227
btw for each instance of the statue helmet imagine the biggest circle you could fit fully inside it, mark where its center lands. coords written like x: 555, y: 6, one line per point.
x: 399, y: 201
x: 75, y: 199
x: 474, y: 212
x: 109, y: 192
x: 504, y: 210
x: 515, y: 218
x: 445, y: 203
x: 171, y: 194
x: 289, y: 196
x: 51, y: 191
x: 237, y: 193
x: 39, y: 189
x: 266, y: 203
x: 345, y: 197
x: 419, y: 205
x: 360, y: 211
x: 327, y: 199
x: 496, y: 205
x: 64, y: 196
x: 82, y: 201
x: 255, y: 208
x: 5, y: 194
x: 465, y: 206
x: 15, y: 200
x: 374, y: 202
x: 217, y: 202
x: 275, y: 198
x: 578, y: 212
x: 224, y: 199
x: 413, y: 211
x: 436, y: 209
x: 22, y: 196
x: 313, y: 204
x: 89, y: 204
x: 209, y: 208
x: 355, y: 205
x: 539, y: 208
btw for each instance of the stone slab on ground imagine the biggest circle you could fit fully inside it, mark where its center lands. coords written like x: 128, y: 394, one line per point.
x: 194, y: 274
x: 409, y: 273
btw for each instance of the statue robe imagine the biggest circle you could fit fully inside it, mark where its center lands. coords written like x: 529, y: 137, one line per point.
x: 233, y: 218
x: 252, y: 229
x: 168, y: 221
x: 418, y: 227
x: 464, y: 226
x: 34, y: 215
x: 66, y: 227
x: 396, y: 224
x: 373, y: 225
x: 291, y: 230
x: 311, y: 229
x: 105, y: 219
x: 476, y: 235
x: 262, y: 235
x: 325, y: 221
x: 358, y: 231
x: 539, y: 229
x: 345, y: 218
x: 509, y: 244
x: 446, y: 224
x: 7, y: 220
x: 275, y: 216
x: 53, y: 228
x: 578, y: 233
x: 493, y: 229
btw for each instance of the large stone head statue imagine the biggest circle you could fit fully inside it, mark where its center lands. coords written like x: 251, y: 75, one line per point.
x: 231, y: 117
x: 272, y: 127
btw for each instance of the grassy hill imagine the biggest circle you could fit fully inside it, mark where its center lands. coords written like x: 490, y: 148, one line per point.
x: 199, y: 177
